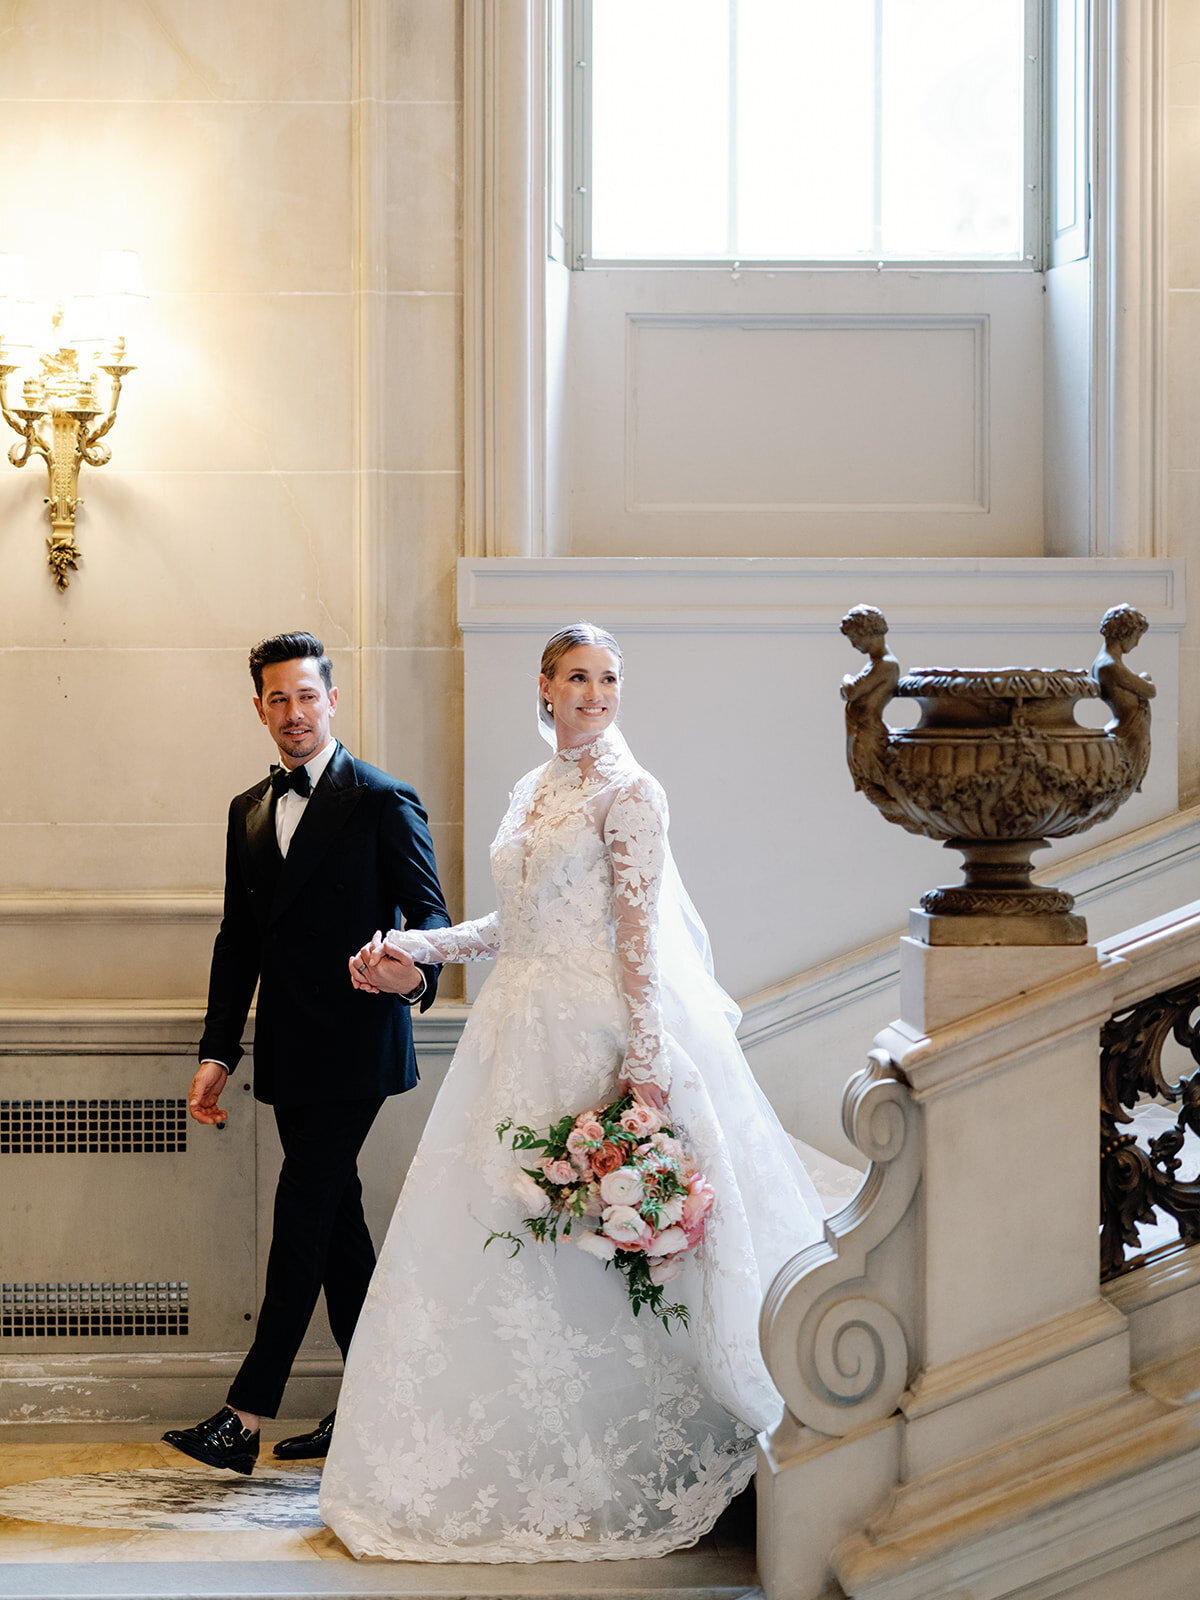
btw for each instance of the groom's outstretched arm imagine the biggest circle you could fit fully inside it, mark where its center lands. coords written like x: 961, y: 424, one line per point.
x: 235, y: 964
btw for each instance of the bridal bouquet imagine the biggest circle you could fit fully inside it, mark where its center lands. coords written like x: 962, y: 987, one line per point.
x: 618, y: 1182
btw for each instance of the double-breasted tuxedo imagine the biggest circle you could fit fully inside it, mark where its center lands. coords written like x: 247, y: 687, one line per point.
x: 325, y: 1055
x: 360, y: 860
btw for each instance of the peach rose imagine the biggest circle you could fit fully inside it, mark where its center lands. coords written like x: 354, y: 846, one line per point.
x: 608, y: 1158
x: 588, y: 1128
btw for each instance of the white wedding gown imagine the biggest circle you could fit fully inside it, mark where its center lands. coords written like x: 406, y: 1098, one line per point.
x: 512, y: 1408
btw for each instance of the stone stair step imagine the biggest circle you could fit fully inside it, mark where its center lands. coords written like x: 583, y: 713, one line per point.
x: 687, y: 1575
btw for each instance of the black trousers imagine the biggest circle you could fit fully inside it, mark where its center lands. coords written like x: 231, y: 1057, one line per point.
x: 319, y: 1241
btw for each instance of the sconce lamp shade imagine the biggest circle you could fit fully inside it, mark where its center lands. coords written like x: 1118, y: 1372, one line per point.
x: 12, y: 276
x: 82, y: 320
x: 15, y: 309
x: 121, y: 273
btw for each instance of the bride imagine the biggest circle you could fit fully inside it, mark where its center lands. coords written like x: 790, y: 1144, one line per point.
x: 502, y: 1407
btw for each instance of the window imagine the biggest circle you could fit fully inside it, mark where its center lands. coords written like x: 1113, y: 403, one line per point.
x: 852, y: 131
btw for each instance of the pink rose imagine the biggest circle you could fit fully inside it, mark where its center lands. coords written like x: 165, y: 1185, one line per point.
x: 668, y: 1242
x: 622, y: 1187
x: 560, y: 1172
x: 670, y: 1149
x: 626, y: 1228
x: 641, y: 1119
x: 595, y: 1205
x: 588, y: 1128
x: 665, y: 1268
x: 697, y: 1203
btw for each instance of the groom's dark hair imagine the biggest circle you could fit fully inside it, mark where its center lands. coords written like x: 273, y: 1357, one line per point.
x: 289, y: 647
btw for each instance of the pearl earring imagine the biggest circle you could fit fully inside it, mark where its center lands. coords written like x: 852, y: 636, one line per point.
x: 549, y: 708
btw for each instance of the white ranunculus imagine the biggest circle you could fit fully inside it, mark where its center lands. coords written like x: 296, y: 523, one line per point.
x: 667, y: 1242
x: 622, y: 1187
x: 531, y: 1195
x: 670, y: 1211
x: 624, y: 1224
x: 596, y: 1245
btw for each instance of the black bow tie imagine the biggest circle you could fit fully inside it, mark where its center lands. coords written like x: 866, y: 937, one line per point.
x: 297, y: 780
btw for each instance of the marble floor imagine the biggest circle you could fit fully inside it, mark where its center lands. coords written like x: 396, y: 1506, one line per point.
x: 100, y: 1512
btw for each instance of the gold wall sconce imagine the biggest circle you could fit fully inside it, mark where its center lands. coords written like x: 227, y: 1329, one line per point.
x: 73, y: 360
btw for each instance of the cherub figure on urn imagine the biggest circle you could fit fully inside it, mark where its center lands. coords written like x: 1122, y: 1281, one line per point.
x: 1126, y: 693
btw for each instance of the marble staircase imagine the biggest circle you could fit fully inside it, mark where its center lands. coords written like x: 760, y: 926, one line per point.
x: 972, y: 1414
x: 265, y: 1580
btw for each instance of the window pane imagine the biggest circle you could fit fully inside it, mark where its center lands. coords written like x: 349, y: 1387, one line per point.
x: 952, y: 128
x: 853, y: 130
x: 806, y: 108
x: 660, y: 127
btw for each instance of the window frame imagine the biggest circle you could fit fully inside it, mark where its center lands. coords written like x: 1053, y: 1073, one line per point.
x: 575, y: 87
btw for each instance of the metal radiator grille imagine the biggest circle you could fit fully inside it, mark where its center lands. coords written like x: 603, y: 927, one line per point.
x: 92, y: 1127
x: 92, y: 1310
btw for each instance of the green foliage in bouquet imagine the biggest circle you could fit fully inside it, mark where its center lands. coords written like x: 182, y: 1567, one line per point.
x: 657, y: 1177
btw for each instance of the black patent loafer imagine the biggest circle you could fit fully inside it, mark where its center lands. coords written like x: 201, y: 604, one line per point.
x: 308, y: 1446
x: 221, y: 1441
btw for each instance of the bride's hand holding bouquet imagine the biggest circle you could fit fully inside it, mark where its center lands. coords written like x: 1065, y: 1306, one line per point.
x: 619, y: 1183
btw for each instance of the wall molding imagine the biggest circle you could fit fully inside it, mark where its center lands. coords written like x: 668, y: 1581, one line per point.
x: 977, y: 325
x: 102, y: 905
x: 808, y: 594
x: 1128, y: 366
x: 504, y: 276
x: 87, y: 1027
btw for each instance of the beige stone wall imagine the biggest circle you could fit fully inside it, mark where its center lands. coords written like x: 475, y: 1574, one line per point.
x: 288, y: 453
x: 1182, y: 444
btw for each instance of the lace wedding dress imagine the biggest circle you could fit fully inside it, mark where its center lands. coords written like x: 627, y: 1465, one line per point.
x: 503, y: 1407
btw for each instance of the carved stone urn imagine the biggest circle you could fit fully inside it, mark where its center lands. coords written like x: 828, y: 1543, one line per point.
x: 996, y: 768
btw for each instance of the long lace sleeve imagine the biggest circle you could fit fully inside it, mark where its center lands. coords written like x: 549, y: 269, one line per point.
x: 466, y: 941
x: 635, y: 832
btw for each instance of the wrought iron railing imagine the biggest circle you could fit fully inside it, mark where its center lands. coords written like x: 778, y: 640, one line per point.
x: 1134, y: 1181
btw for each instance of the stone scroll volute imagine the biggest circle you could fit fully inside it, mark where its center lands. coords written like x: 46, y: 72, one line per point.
x: 837, y: 1325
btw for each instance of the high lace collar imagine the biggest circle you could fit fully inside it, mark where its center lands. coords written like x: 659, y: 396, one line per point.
x: 599, y: 759
x: 600, y: 744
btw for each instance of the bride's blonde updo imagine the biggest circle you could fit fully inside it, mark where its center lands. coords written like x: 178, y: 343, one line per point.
x: 561, y: 643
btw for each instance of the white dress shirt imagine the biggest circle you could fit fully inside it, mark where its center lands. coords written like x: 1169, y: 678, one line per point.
x: 289, y: 807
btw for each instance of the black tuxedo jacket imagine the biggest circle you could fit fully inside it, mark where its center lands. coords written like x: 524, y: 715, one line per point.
x: 360, y: 859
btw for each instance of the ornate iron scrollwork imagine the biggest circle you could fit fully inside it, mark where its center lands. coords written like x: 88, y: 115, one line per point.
x: 1132, y: 1180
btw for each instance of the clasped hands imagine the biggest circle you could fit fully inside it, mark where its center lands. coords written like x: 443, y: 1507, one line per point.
x: 382, y: 968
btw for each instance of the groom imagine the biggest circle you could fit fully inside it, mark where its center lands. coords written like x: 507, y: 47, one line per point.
x: 318, y: 857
